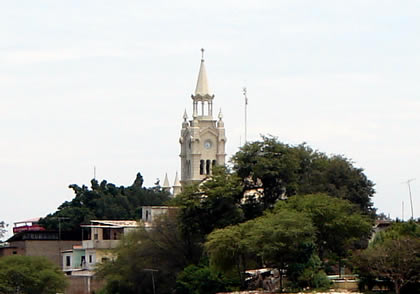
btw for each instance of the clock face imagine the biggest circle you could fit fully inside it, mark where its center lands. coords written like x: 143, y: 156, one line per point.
x: 207, y: 144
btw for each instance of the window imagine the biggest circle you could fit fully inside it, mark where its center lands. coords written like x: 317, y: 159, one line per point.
x: 90, y: 258
x: 208, y: 167
x: 14, y: 252
x: 83, y: 260
x: 68, y: 260
x: 95, y: 236
x: 106, y: 234
x: 201, y: 167
x: 213, y: 163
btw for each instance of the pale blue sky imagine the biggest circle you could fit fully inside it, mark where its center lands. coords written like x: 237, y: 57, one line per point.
x: 105, y: 84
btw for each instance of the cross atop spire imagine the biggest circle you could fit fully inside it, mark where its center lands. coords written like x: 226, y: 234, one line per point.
x: 202, y: 87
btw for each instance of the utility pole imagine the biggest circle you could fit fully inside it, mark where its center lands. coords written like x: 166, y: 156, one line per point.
x: 403, y: 211
x: 153, y: 277
x: 409, y: 192
x: 246, y: 106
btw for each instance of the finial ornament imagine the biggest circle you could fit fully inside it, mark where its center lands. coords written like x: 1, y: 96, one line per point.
x: 185, y: 115
x: 202, y: 54
x: 220, y: 114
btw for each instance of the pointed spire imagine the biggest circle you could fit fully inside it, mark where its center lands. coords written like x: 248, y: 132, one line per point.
x: 220, y: 123
x: 177, y: 188
x: 220, y: 114
x: 166, y: 182
x: 176, y: 182
x: 202, y: 87
x: 185, y: 115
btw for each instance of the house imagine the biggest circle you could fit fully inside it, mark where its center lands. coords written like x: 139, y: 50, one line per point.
x: 49, y: 244
x: 103, y: 236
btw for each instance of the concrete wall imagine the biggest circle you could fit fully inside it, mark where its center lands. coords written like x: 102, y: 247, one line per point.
x: 83, y: 285
x: 50, y: 249
x: 7, y: 251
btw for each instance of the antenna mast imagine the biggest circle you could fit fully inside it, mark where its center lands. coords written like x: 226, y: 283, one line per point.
x: 402, y: 211
x: 246, y: 106
x: 409, y: 192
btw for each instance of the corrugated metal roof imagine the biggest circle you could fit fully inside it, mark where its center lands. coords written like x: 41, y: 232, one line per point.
x: 112, y: 224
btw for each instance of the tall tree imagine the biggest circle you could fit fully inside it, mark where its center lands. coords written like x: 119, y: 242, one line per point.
x: 211, y: 205
x: 395, y: 259
x: 160, y: 252
x: 279, y: 239
x: 340, y: 225
x: 283, y: 171
x: 30, y: 274
x: 104, y: 201
x: 394, y: 254
x: 229, y: 249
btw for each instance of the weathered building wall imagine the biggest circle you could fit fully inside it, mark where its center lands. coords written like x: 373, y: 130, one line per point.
x: 7, y: 251
x: 48, y: 248
x: 83, y: 285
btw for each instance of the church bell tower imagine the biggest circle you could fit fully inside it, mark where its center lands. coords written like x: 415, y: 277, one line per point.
x: 202, y: 138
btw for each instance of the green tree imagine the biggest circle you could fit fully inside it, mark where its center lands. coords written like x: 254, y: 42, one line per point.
x: 340, y: 225
x: 283, y: 170
x: 395, y: 259
x: 160, y: 249
x: 273, y: 163
x: 283, y: 239
x: 28, y: 275
x: 279, y: 240
x: 393, y: 255
x: 211, y: 205
x: 229, y: 249
x: 103, y: 201
x: 200, y: 280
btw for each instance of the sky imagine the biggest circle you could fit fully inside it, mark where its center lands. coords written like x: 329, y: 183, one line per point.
x: 98, y: 83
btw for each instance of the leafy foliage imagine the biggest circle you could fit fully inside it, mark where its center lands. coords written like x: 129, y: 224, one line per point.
x: 285, y: 170
x: 29, y: 274
x: 290, y: 237
x: 161, y: 249
x: 103, y: 201
x: 278, y: 239
x: 214, y: 204
x: 340, y: 225
x: 200, y: 280
x: 393, y: 255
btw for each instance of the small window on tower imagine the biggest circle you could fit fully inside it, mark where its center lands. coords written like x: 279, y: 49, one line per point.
x: 208, y: 167
x: 213, y: 163
x: 201, y: 167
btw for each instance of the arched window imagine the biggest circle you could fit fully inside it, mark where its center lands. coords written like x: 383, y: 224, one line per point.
x: 201, y: 167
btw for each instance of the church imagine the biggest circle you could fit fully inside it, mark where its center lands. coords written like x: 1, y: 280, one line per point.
x: 202, y: 137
